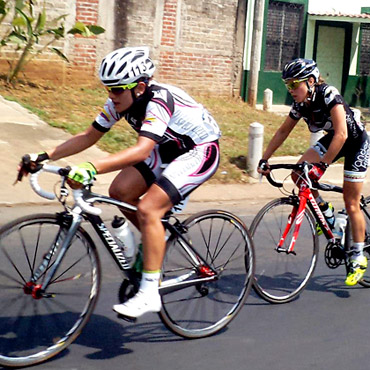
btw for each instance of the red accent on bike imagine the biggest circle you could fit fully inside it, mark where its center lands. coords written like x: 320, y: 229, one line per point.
x: 205, y: 271
x: 37, y: 292
x: 28, y: 287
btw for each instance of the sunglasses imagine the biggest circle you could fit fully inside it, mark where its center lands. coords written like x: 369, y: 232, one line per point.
x: 292, y: 85
x: 116, y: 90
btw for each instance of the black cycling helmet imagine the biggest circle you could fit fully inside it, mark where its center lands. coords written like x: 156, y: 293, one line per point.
x: 301, y: 69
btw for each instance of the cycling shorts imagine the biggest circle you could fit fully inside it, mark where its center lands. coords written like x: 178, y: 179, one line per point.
x: 355, y: 153
x: 183, y: 174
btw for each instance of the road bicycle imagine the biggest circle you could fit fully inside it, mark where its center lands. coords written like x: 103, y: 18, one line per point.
x: 50, y: 273
x: 286, y: 240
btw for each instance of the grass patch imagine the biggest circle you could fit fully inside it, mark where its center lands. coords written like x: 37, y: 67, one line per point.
x: 74, y: 108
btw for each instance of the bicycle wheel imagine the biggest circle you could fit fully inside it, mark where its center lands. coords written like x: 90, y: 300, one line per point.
x: 34, y: 329
x: 279, y: 276
x: 223, y: 241
x: 365, y: 281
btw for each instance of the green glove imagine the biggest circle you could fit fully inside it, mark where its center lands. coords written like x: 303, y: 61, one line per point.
x: 83, y: 173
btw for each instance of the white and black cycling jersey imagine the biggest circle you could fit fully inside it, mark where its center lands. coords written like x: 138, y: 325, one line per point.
x: 317, y: 113
x: 165, y: 114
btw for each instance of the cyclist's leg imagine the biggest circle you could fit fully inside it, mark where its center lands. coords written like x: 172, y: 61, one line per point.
x: 355, y: 168
x: 193, y: 167
x: 128, y: 186
x: 312, y: 155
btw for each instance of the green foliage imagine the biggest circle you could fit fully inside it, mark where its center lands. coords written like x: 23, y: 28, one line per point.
x: 32, y: 32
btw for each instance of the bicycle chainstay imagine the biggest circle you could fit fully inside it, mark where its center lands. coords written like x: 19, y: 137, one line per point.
x: 334, y: 255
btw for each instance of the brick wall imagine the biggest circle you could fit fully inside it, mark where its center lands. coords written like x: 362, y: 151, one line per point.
x: 83, y: 51
x: 192, y: 42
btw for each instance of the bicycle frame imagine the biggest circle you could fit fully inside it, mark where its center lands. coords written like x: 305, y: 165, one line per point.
x: 305, y: 196
x: 73, y: 220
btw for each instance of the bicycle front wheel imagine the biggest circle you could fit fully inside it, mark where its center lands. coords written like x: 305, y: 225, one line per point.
x: 36, y: 325
x: 281, y: 276
x: 224, y: 242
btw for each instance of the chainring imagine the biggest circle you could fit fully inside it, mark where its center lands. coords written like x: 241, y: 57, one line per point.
x: 334, y: 255
x: 129, y: 287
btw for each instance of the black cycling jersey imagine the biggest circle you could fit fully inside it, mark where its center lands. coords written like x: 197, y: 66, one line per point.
x: 317, y: 113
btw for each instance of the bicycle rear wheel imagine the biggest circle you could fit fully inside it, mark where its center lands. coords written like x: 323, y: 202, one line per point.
x: 223, y: 241
x: 365, y: 281
x: 34, y: 328
x: 279, y: 276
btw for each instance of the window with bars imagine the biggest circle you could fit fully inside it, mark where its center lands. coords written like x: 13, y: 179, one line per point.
x: 284, y: 29
x: 365, y: 50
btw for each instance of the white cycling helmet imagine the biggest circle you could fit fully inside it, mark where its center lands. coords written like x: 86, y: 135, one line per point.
x: 126, y: 65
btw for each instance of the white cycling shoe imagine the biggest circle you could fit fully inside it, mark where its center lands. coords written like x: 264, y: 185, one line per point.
x: 139, y: 305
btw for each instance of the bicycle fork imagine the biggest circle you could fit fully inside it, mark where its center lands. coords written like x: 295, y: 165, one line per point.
x: 45, y: 269
x: 296, y: 217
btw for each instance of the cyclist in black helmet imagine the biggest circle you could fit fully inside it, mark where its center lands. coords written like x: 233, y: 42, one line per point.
x: 176, y: 151
x: 323, y: 108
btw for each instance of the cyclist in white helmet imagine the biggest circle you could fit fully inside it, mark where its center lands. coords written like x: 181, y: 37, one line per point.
x: 176, y: 151
x: 323, y: 108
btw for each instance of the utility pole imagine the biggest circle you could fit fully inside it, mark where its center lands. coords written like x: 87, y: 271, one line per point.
x: 255, y: 52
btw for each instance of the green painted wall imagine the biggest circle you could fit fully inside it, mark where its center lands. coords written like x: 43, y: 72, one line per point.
x: 268, y: 79
x: 357, y: 91
x: 356, y: 88
x: 272, y: 81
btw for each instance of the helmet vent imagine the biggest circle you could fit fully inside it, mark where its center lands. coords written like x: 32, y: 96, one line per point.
x: 123, y: 66
x: 137, y: 56
x: 111, y: 68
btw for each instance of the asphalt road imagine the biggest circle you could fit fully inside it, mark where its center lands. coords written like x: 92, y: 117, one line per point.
x: 325, y: 328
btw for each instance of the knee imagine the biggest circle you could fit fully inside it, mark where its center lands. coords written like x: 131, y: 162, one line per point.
x: 352, y: 206
x: 147, y: 212
x: 144, y: 212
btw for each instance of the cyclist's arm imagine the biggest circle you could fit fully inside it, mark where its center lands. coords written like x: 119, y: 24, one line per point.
x: 126, y: 157
x: 338, y: 117
x: 76, y: 144
x: 280, y: 136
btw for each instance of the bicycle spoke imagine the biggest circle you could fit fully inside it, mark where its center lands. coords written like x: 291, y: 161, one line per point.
x: 206, y: 307
x: 281, y: 276
x: 62, y: 310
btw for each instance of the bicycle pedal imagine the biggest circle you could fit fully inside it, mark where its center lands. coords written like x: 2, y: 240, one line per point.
x: 127, y: 318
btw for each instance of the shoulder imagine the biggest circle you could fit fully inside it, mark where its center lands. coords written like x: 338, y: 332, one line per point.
x: 329, y: 94
x: 161, y: 95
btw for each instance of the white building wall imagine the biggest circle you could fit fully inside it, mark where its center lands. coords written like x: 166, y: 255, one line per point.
x: 337, y: 6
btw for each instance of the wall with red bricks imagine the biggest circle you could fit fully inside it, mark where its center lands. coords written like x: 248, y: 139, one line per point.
x: 193, y: 43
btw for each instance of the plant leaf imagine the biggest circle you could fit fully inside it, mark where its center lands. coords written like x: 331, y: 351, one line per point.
x: 41, y: 20
x: 96, y: 30
x: 27, y: 21
x: 57, y: 51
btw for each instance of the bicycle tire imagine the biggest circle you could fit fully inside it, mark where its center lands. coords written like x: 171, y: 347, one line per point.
x: 33, y: 330
x: 280, y: 277
x: 365, y: 281
x: 225, y: 243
